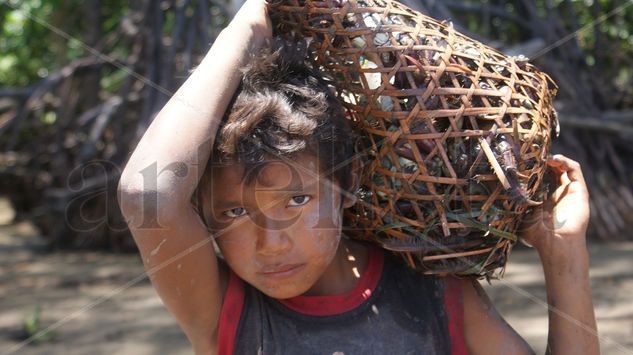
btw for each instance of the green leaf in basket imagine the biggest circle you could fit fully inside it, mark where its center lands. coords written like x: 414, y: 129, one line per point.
x: 490, y: 213
x: 473, y: 270
x: 424, y: 234
x: 467, y: 219
x: 382, y: 196
x: 397, y: 224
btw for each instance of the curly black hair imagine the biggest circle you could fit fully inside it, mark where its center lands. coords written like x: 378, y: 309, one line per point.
x: 283, y: 107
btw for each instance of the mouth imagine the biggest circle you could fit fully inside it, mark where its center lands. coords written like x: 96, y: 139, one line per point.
x: 282, y: 270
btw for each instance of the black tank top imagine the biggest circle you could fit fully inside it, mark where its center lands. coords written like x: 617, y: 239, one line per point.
x: 391, y: 310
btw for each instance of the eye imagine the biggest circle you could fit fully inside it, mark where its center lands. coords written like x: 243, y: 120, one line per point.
x: 299, y: 200
x: 235, y: 212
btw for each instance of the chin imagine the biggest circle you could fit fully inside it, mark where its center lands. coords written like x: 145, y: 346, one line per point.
x: 283, y: 291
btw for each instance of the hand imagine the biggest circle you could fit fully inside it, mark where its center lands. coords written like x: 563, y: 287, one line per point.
x: 254, y: 14
x: 564, y: 217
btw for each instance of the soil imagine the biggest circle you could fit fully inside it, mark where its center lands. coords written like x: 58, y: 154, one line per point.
x: 102, y: 303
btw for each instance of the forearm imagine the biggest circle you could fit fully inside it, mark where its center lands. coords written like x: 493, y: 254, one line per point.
x: 572, y: 324
x: 183, y: 269
x: 170, y: 157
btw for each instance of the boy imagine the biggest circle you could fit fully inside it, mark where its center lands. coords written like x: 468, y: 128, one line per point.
x: 272, y: 197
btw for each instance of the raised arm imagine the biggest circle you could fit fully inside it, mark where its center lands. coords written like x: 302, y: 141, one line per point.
x: 163, y: 171
x: 557, y: 231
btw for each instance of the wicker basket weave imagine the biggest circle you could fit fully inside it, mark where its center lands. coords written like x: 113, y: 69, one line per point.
x: 457, y: 133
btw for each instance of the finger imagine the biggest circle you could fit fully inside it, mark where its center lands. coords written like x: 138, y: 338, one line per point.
x: 561, y: 191
x: 564, y: 178
x: 557, y: 168
x: 558, y: 172
x: 571, y: 167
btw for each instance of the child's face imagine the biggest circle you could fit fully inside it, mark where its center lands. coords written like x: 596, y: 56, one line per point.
x: 288, y: 215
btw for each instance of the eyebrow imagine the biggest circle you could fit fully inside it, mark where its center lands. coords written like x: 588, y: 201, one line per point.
x: 225, y: 205
x: 293, y: 188
x: 296, y: 186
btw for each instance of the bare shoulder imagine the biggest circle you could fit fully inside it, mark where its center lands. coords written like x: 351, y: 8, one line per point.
x: 485, y: 330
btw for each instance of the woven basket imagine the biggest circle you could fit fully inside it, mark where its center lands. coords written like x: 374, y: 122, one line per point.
x: 456, y: 133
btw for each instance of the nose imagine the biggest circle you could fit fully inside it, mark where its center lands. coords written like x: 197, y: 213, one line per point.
x: 271, y: 239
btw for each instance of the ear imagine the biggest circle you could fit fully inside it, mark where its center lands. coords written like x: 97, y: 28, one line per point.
x: 349, y: 197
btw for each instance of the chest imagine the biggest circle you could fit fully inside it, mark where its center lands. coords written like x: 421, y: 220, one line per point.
x: 403, y: 315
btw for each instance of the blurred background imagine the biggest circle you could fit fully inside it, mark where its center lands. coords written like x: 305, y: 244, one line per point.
x: 80, y: 81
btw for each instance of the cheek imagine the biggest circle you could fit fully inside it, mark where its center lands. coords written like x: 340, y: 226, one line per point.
x: 321, y: 224
x: 233, y: 243
x: 327, y: 214
x: 324, y: 235
x: 235, y: 248
x: 327, y: 241
x: 310, y: 218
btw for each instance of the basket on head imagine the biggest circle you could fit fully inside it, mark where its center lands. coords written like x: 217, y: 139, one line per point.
x: 457, y: 133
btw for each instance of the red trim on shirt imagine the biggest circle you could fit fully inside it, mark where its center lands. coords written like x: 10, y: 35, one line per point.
x: 329, y: 305
x: 454, y: 305
x: 230, y: 314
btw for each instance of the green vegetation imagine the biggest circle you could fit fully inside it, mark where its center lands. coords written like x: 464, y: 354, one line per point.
x: 32, y: 40
x: 603, y: 44
x: 33, y: 328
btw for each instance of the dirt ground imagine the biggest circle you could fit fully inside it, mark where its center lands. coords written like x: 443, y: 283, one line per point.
x: 97, y: 303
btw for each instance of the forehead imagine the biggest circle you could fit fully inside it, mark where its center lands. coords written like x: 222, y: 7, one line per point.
x: 300, y: 172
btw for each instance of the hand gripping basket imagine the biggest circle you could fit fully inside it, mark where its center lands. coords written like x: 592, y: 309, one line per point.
x: 456, y: 133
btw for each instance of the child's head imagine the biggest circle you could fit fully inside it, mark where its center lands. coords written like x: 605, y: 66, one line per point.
x: 281, y: 171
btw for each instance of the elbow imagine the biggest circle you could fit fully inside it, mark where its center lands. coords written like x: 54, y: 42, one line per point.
x: 150, y: 194
x: 144, y: 208
x: 130, y: 200
x: 129, y: 196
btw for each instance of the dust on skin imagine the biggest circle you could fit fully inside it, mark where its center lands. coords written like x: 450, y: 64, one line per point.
x: 157, y: 249
x: 325, y: 223
x: 327, y: 217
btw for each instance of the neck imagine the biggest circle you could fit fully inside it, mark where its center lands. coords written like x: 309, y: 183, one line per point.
x: 344, y: 272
